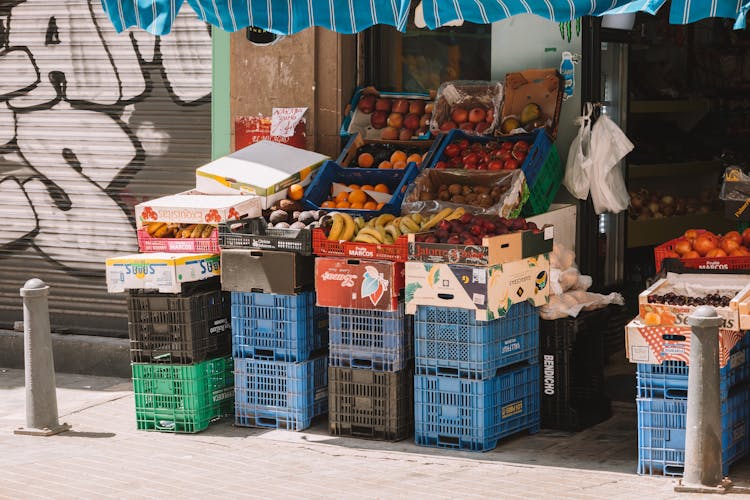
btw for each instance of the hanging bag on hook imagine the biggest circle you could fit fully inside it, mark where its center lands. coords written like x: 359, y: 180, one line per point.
x: 579, y: 166
x: 609, y: 145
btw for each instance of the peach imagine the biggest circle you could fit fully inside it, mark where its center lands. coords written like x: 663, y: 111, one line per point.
x: 383, y: 105
x: 378, y: 119
x: 416, y: 107
x: 389, y: 134
x: 459, y: 115
x: 447, y: 125
x: 477, y: 115
x: 366, y: 104
x: 405, y: 134
x: 395, y: 120
x: 412, y: 121
x: 400, y: 106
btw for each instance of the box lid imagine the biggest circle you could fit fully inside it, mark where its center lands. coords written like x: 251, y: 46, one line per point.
x: 178, y: 258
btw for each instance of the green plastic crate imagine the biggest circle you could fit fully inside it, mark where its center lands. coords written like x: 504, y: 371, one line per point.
x: 547, y: 183
x: 183, y: 398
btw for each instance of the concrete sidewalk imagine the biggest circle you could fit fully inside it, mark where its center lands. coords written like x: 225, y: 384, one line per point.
x: 104, y: 456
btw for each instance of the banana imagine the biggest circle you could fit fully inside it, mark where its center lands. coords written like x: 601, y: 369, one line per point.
x: 396, y: 221
x: 207, y: 230
x: 337, y: 228
x: 371, y: 222
x: 416, y: 218
x: 372, y: 232
x: 349, y: 227
x: 384, y: 219
x: 172, y: 230
x: 392, y: 231
x: 435, y: 220
x: 162, y: 232
x: 388, y: 240
x: 410, y: 224
x: 153, y: 227
x: 197, y: 231
x: 186, y: 232
x: 457, y: 213
x: 366, y: 238
x: 360, y: 222
x: 382, y: 232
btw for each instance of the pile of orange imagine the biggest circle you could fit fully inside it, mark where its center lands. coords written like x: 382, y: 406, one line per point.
x: 357, y: 198
x: 398, y: 160
x: 695, y: 244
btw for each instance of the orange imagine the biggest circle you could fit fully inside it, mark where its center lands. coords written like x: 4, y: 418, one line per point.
x: 354, y: 186
x: 357, y: 196
x: 365, y: 160
x: 399, y: 164
x: 367, y: 187
x: 415, y: 158
x: 343, y: 204
x: 342, y: 196
x: 296, y: 192
x: 398, y: 156
x: 382, y: 188
x: 370, y: 205
x: 652, y: 319
x: 385, y: 164
x: 380, y: 205
x: 357, y: 205
x: 328, y: 204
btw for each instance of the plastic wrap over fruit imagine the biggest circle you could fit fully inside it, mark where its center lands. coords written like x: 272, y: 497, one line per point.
x: 501, y: 193
x: 573, y: 302
x: 469, y: 105
x: 736, y: 185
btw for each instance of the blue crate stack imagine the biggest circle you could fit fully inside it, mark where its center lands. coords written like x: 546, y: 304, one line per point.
x: 476, y: 382
x: 278, y: 344
x: 662, y: 411
x: 371, y: 373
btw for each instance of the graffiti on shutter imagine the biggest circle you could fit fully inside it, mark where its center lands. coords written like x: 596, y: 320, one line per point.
x: 63, y: 67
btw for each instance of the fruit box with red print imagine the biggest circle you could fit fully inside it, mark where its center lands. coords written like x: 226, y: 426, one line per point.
x: 670, y: 300
x: 490, y: 291
x: 165, y: 272
x: 358, y: 284
x: 653, y: 345
x: 194, y: 207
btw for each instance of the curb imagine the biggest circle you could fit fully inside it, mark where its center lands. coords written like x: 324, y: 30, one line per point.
x: 79, y: 354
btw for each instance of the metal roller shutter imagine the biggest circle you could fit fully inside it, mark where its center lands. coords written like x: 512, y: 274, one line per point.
x: 91, y: 123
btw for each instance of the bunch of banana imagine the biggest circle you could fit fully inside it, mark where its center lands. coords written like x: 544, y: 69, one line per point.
x: 172, y: 230
x: 386, y: 228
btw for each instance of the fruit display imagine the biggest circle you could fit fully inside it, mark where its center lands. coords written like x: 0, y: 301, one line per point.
x: 646, y: 204
x: 492, y: 155
x: 468, y: 229
x: 698, y: 243
x: 384, y: 229
x: 468, y: 106
x: 532, y: 101
x: 289, y: 212
x: 173, y: 230
x: 392, y: 118
x: 381, y: 155
x: 674, y: 299
x: 360, y: 197
x: 529, y: 119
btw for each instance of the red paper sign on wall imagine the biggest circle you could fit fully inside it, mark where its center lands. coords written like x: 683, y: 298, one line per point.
x: 251, y: 129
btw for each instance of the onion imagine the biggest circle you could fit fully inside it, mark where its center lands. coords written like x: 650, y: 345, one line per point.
x: 667, y: 200
x: 636, y: 202
x: 653, y: 207
x: 667, y: 210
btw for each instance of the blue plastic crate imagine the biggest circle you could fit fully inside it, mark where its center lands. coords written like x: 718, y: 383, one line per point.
x: 376, y: 340
x: 277, y: 327
x: 670, y: 378
x: 278, y: 394
x: 346, y: 122
x: 474, y: 415
x: 661, y: 433
x: 452, y: 343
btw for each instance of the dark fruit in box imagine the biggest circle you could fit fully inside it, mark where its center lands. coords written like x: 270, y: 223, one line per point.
x: 472, y: 229
x: 493, y: 155
x: 379, y: 119
x: 367, y: 104
x: 673, y: 299
x: 383, y: 105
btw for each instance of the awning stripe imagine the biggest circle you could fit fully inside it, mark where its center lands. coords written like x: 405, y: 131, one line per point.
x: 350, y: 16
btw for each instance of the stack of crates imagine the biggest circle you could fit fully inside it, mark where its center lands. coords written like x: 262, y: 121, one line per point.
x: 279, y: 336
x: 662, y: 411
x: 179, y: 347
x: 476, y: 381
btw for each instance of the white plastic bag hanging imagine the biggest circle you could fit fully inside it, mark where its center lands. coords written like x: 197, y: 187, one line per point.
x: 609, y: 145
x: 578, y: 168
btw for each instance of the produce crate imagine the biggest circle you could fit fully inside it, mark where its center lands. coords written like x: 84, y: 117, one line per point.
x: 544, y: 188
x: 571, y: 355
x: 277, y: 327
x: 176, y: 398
x: 184, y: 328
x: 396, y: 180
x: 369, y: 404
x: 356, y: 120
x: 662, y: 432
x: 149, y: 244
x: 474, y: 415
x: 712, y: 264
x: 280, y: 395
x: 324, y: 247
x: 373, y: 339
x: 670, y: 378
x: 450, y: 342
x: 255, y: 233
x: 356, y: 143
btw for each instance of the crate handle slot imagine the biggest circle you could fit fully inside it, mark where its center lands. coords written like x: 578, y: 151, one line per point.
x: 354, y: 262
x: 505, y: 245
x: 264, y: 353
x: 445, y: 296
x: 266, y: 422
x: 256, y: 253
x: 672, y: 336
x: 443, y: 370
x: 361, y: 363
x: 166, y: 425
x: 675, y: 393
x: 359, y: 430
x: 449, y: 440
x: 163, y: 357
x: 673, y: 469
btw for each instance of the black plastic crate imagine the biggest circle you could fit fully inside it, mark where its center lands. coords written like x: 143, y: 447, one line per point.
x: 613, y: 331
x: 184, y: 328
x: 571, y: 358
x: 255, y: 234
x: 369, y: 404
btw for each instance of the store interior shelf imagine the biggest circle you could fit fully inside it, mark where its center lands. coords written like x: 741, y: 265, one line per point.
x: 697, y: 105
x: 644, y: 171
x: 657, y: 231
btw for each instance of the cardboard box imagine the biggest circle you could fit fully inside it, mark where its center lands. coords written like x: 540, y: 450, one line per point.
x: 540, y: 86
x: 735, y: 317
x: 655, y: 344
x: 265, y: 169
x: 358, y: 284
x: 490, y: 291
x: 266, y: 271
x: 493, y: 250
x: 164, y: 272
x: 562, y: 217
x: 194, y: 207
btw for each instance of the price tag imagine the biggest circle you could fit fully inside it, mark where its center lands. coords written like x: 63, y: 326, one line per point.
x: 285, y: 120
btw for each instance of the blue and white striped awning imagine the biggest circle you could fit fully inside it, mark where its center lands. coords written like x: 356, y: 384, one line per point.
x: 351, y: 16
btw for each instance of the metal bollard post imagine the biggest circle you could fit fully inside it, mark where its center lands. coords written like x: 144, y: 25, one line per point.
x: 41, y: 395
x: 703, y: 471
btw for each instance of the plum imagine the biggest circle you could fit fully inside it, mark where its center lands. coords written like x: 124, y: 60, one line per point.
x: 466, y: 219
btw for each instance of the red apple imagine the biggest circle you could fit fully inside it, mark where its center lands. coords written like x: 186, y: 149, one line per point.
x: 452, y: 150
x: 477, y: 115
x: 519, y: 155
x: 389, y: 134
x: 482, y: 127
x: 446, y: 126
x: 521, y: 146
x: 441, y: 165
x: 416, y: 107
x: 395, y: 120
x: 405, y: 134
x: 490, y: 117
x: 459, y: 115
x: 366, y: 104
x: 383, y: 105
x: 511, y: 164
x: 400, y: 106
x: 467, y: 127
x: 506, y: 146
x: 379, y: 119
x: 412, y: 121
x: 495, y: 165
